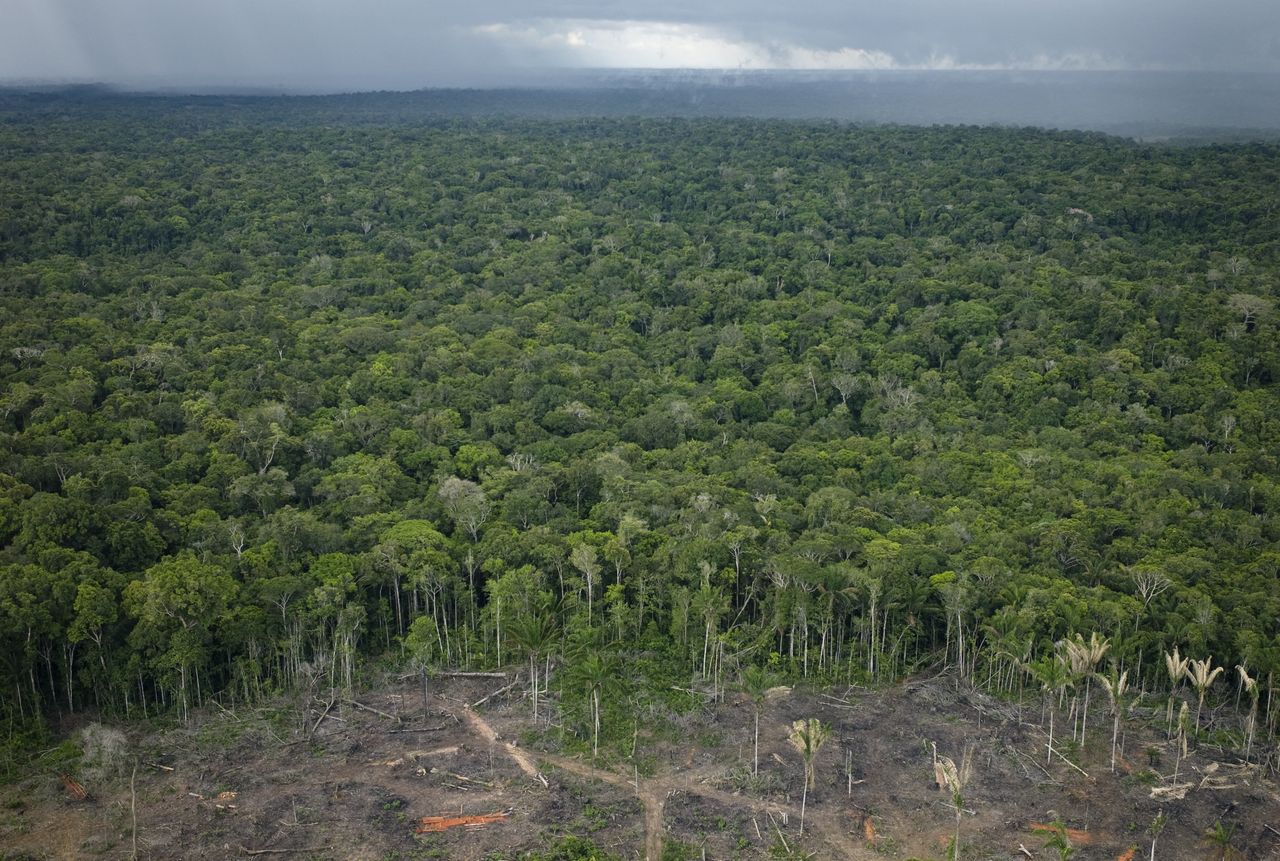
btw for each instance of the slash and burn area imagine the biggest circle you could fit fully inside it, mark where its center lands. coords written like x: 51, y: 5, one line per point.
x: 377, y: 776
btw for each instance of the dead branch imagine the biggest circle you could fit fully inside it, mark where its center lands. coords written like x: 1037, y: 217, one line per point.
x: 320, y: 719
x: 133, y: 808
x: 439, y: 751
x: 416, y: 729
x: 366, y: 708
x: 1034, y: 761
x: 1062, y: 757
x: 461, y: 675
x: 248, y: 851
x: 227, y: 711
x: 486, y: 784
x: 779, y: 830
x: 157, y: 765
x: 498, y: 692
x: 1174, y: 791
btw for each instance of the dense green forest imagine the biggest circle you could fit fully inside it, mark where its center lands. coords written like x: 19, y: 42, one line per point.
x: 640, y: 401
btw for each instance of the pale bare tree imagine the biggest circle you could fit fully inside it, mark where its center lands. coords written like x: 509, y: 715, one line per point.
x: 1150, y: 584
x: 465, y: 502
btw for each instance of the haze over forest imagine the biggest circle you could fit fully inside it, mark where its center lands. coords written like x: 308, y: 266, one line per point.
x: 1139, y: 68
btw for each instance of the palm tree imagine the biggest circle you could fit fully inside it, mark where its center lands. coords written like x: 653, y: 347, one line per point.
x: 1116, y: 687
x: 1176, y: 666
x: 596, y: 673
x: 1083, y: 657
x: 1202, y: 675
x: 1060, y: 842
x: 1218, y: 839
x: 1184, y: 719
x: 534, y: 634
x: 1051, y: 673
x: 807, y: 737
x: 952, y: 777
x: 1154, y: 829
x: 755, y: 683
x: 1250, y: 685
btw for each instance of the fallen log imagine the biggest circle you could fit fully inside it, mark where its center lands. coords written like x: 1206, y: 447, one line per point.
x: 457, y: 674
x: 433, y: 824
x: 248, y: 851
x: 366, y: 708
x: 498, y: 692
x: 417, y: 729
x: 486, y: 784
x: 320, y: 720
x: 439, y: 751
x: 471, y: 675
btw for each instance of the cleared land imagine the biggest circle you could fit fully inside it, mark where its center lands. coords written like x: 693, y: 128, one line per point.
x: 351, y: 782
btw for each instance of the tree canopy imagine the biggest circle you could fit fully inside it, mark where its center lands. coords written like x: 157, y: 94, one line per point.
x: 834, y: 400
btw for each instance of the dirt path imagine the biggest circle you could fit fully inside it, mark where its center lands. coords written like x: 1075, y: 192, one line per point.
x: 481, y: 728
x: 654, y: 793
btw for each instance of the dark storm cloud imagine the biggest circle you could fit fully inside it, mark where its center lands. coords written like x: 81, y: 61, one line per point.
x: 326, y: 44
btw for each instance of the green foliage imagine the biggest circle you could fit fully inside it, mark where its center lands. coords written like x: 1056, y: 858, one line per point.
x: 569, y: 848
x: 1059, y: 842
x: 281, y: 392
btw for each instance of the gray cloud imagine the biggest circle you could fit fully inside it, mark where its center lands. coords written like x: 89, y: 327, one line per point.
x: 328, y: 45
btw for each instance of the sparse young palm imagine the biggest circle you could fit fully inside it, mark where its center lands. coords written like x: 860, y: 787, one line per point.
x: 807, y: 737
x: 1082, y: 658
x: 1218, y: 839
x: 1180, y: 740
x: 1154, y: 829
x: 1117, y: 687
x: 1250, y: 686
x: 1052, y: 674
x: 953, y: 778
x: 1176, y: 666
x: 1060, y: 842
x: 755, y: 682
x: 1202, y: 675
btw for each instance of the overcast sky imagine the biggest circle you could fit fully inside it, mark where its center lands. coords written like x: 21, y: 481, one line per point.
x: 406, y: 44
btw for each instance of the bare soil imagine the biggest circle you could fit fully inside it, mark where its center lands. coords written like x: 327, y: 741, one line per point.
x: 350, y: 783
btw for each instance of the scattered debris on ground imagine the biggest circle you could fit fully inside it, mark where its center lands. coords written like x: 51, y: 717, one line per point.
x: 351, y: 778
